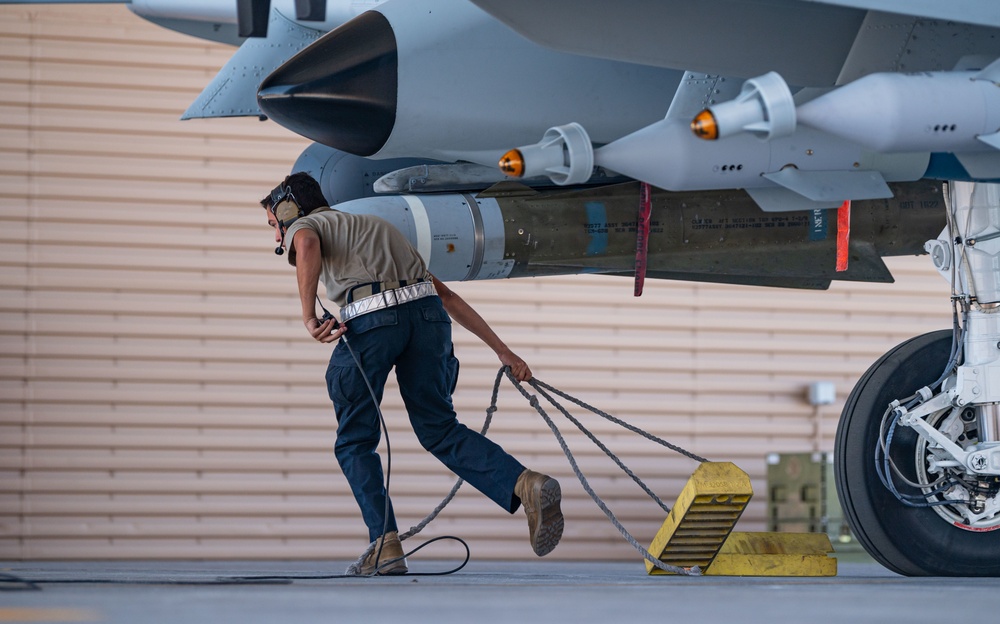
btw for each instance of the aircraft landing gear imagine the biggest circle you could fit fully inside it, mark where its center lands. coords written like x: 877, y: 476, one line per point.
x: 917, y: 456
x: 916, y: 541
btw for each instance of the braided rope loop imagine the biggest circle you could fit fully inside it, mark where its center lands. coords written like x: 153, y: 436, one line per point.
x: 533, y: 400
x: 544, y: 389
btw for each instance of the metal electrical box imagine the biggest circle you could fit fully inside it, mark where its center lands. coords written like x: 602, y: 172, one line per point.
x: 802, y: 498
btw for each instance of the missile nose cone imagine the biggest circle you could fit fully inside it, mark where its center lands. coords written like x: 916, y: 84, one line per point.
x: 341, y: 90
x: 704, y: 126
x: 512, y: 163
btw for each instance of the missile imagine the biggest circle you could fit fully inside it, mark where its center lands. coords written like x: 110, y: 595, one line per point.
x: 428, y: 178
x: 956, y: 111
x: 442, y: 177
x: 441, y: 80
x: 510, y: 230
x: 805, y: 170
x: 931, y: 111
x: 343, y: 177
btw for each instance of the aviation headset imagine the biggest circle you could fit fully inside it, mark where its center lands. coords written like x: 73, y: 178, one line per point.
x: 286, y: 210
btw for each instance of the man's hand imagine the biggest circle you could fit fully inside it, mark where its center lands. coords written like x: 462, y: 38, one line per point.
x: 518, y: 367
x: 323, y: 331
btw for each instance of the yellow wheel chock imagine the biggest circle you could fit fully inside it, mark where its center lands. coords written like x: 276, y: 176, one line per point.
x: 699, y: 532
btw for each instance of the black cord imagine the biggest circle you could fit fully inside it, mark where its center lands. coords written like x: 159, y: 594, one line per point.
x: 34, y: 584
x: 23, y: 584
x: 321, y: 577
x: 385, y: 429
x: 388, y: 472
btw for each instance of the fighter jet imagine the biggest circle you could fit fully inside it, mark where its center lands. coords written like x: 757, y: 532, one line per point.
x: 760, y: 142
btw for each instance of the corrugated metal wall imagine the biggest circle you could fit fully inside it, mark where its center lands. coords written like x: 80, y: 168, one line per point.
x: 160, y: 398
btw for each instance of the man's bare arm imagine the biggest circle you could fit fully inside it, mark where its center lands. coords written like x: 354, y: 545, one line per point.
x: 468, y: 318
x: 308, y: 263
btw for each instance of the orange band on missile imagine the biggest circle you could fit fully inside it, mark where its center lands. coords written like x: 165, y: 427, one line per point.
x: 512, y: 163
x: 843, y: 235
x: 704, y: 126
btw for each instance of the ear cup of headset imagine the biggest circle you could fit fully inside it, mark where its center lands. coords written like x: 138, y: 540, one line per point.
x: 287, y: 211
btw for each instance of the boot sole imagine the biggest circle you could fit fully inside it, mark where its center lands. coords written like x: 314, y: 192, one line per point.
x: 389, y: 567
x: 394, y: 569
x: 549, y: 528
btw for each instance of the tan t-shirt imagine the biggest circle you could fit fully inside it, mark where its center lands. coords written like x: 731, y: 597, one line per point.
x: 358, y: 249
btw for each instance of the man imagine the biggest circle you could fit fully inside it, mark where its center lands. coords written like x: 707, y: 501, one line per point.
x: 397, y: 315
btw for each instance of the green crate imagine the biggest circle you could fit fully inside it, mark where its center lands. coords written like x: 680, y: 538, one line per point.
x: 802, y: 498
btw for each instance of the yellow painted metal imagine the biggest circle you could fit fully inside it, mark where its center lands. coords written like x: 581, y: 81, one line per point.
x: 774, y: 554
x: 702, y: 518
x: 699, y: 532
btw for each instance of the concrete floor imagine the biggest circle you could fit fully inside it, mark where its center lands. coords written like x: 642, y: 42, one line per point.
x: 482, y: 592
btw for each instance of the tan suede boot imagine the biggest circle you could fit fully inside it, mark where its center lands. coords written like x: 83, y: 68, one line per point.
x: 540, y: 495
x: 393, y: 549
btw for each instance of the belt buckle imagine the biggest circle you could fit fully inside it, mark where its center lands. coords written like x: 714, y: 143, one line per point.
x: 394, y: 297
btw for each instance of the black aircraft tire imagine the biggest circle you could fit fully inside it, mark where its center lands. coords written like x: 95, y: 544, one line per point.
x: 908, y: 540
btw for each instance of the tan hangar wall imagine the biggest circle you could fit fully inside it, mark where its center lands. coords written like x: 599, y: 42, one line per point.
x: 160, y: 398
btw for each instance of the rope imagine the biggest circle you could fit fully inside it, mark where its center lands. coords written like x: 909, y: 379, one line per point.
x: 355, y: 568
x: 601, y: 446
x: 535, y: 383
x: 533, y: 400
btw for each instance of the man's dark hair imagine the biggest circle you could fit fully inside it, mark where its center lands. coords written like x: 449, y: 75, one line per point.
x: 306, y: 190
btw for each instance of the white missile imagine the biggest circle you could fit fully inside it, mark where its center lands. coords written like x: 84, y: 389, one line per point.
x: 806, y: 166
x: 955, y: 112
x: 807, y: 169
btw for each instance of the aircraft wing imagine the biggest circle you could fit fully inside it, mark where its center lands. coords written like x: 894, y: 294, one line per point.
x: 808, y: 42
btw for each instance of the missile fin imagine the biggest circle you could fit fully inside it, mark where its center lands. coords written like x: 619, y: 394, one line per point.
x: 991, y: 72
x: 832, y: 186
x: 780, y: 199
x: 866, y: 265
x: 981, y: 165
x: 993, y: 140
x: 804, y: 283
x: 787, y: 266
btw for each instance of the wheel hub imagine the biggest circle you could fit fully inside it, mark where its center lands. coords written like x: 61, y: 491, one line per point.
x: 975, y: 498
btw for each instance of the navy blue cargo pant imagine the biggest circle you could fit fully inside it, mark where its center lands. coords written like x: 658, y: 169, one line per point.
x: 415, y: 338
